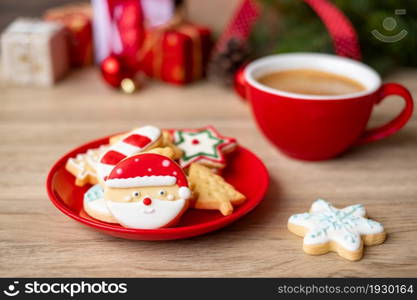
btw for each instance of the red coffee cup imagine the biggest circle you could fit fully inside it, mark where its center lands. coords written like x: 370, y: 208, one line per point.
x: 312, y: 127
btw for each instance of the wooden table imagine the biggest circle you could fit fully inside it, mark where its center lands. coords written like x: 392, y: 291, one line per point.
x: 37, y: 126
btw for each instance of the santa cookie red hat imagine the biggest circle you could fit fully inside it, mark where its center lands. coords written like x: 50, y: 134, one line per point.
x: 148, y: 169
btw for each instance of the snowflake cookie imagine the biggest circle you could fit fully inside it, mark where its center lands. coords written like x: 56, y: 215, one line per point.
x: 345, y: 231
x: 95, y: 206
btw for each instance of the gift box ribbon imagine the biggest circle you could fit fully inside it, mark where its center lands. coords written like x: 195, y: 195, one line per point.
x: 154, y: 43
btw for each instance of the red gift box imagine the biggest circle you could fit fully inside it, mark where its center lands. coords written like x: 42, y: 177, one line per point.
x: 77, y: 20
x: 177, y: 55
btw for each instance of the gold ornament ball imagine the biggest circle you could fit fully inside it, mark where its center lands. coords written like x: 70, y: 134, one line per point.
x: 128, y: 86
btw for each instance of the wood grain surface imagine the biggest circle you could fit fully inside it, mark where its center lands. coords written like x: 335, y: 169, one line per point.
x: 37, y: 126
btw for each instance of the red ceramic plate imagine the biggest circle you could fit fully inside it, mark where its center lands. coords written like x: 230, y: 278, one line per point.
x: 244, y: 171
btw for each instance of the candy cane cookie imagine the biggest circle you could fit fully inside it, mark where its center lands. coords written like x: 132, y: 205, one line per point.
x: 136, y: 141
x: 167, y: 142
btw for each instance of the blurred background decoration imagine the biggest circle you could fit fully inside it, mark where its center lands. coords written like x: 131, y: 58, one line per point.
x: 175, y: 38
x: 288, y: 25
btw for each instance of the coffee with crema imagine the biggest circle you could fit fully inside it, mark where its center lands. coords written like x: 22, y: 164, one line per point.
x: 311, y: 82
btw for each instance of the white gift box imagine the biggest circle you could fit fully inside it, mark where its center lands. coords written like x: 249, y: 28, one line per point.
x: 34, y: 52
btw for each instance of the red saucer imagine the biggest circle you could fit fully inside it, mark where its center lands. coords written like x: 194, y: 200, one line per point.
x: 244, y: 171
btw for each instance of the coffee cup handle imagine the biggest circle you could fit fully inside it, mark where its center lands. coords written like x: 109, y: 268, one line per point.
x: 239, y: 82
x: 387, y: 89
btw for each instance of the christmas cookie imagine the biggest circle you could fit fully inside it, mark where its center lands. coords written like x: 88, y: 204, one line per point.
x: 345, y: 231
x: 168, y: 141
x: 95, y: 206
x: 136, y: 141
x: 83, y: 166
x: 212, y: 191
x: 147, y: 191
x: 115, y: 138
x: 166, y: 151
x: 205, y: 146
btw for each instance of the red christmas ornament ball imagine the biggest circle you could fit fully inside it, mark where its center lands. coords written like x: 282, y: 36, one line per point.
x: 114, y: 71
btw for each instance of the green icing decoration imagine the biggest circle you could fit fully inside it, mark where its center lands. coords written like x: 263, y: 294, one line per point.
x: 215, y: 153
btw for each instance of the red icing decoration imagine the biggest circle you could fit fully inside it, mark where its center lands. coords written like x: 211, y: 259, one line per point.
x: 147, y: 201
x: 195, y: 142
x: 112, y: 157
x: 137, y: 140
x: 131, y: 169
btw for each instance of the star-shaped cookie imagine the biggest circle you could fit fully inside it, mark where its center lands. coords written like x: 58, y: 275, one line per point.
x: 204, y: 145
x: 345, y: 231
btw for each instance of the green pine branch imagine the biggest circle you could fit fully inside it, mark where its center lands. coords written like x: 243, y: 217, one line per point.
x: 290, y: 25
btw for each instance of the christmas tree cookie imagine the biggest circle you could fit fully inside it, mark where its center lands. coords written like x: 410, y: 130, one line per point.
x: 212, y: 191
x: 345, y: 231
x: 205, y: 146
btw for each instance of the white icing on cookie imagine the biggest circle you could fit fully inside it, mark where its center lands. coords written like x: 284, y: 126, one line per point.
x: 94, y: 203
x: 136, y: 141
x: 326, y: 223
x: 86, y: 163
x: 152, y: 216
x: 153, y: 180
x: 203, y: 145
x: 99, y: 206
x: 184, y: 192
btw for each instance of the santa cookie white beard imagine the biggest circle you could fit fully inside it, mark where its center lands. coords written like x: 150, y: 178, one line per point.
x: 147, y: 191
x: 161, y: 213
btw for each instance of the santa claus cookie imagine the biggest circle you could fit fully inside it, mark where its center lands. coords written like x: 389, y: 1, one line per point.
x: 147, y: 191
x: 345, y: 231
x: 205, y: 146
x: 134, y: 142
